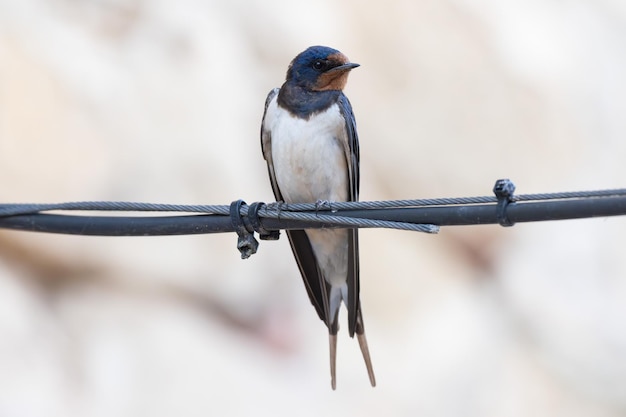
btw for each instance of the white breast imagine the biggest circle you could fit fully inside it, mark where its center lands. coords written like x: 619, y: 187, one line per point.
x: 309, y: 156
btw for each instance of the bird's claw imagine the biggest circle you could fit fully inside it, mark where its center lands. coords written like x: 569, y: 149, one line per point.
x: 278, y: 206
x: 275, y: 206
x: 322, y: 205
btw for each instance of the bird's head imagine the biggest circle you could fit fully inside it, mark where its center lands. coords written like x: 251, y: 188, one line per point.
x: 320, y: 68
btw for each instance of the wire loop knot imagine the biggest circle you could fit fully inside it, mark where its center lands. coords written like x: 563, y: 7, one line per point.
x: 504, y: 189
x: 246, y: 243
x: 255, y: 222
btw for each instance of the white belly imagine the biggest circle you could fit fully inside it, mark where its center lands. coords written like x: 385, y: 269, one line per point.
x: 309, y: 158
x: 310, y: 164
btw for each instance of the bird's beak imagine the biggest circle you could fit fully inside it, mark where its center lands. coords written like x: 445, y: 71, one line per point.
x: 335, y: 78
x: 345, y: 67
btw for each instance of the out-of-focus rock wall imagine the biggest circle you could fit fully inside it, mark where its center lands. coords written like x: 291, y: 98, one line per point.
x: 161, y: 102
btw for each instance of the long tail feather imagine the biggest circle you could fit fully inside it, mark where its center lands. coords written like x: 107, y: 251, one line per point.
x: 332, y: 338
x: 366, y: 356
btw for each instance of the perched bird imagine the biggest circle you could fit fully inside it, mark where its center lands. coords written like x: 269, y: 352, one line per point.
x: 310, y: 143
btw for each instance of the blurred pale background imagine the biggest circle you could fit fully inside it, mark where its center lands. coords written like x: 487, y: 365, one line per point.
x: 161, y: 102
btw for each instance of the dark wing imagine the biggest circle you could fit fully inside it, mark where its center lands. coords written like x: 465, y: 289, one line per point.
x: 352, y: 150
x: 316, y: 286
x: 352, y: 157
x: 266, y: 145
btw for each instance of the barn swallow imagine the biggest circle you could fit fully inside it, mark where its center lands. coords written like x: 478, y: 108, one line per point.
x: 310, y: 143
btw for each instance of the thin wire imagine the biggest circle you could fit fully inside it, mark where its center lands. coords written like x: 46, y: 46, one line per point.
x: 423, y: 215
x: 291, y: 211
x: 570, y: 195
x: 18, y: 209
x: 23, y: 209
x: 350, y: 221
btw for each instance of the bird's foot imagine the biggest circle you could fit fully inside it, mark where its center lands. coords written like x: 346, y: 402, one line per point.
x: 275, y: 206
x: 323, y: 205
x: 278, y: 206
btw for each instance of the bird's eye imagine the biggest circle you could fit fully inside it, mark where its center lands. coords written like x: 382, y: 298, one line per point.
x: 318, y: 65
